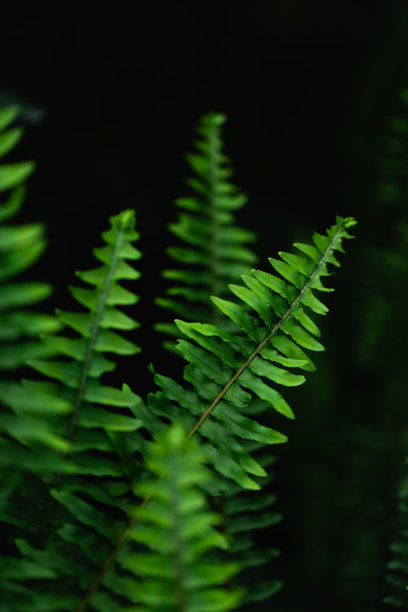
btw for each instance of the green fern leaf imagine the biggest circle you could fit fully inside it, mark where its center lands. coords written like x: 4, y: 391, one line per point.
x: 227, y: 369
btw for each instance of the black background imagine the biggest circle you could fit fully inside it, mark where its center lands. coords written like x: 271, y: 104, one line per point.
x: 306, y: 86
x: 122, y: 86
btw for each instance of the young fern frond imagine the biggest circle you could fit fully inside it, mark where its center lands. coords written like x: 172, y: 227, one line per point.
x: 174, y: 532
x: 212, y: 252
x: 226, y: 369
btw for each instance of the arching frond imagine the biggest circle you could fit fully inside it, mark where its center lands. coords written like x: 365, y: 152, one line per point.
x: 225, y: 369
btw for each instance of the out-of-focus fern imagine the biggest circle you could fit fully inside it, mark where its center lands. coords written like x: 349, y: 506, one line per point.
x: 225, y: 369
x: 212, y: 251
x: 385, y: 352
x: 20, y: 325
x: 378, y: 431
x: 174, y: 532
x: 20, y: 247
x: 85, y: 417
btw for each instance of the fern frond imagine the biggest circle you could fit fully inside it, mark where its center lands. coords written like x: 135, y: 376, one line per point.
x: 212, y: 250
x: 20, y: 324
x: 20, y: 247
x: 225, y: 370
x: 86, y: 417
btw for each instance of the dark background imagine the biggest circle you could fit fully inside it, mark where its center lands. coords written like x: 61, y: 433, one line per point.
x: 111, y: 93
x: 120, y: 88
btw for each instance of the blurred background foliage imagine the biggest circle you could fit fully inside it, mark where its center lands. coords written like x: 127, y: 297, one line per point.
x: 318, y: 126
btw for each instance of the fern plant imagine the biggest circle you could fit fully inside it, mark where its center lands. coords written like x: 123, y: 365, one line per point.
x: 80, y: 532
x: 88, y: 526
